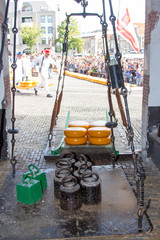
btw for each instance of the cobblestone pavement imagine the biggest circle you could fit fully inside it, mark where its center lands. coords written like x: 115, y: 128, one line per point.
x: 86, y: 101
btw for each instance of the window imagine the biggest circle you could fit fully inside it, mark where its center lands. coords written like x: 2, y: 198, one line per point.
x: 43, y: 9
x: 26, y: 7
x: 43, y: 41
x: 49, y: 19
x: 43, y: 19
x: 50, y: 29
x: 43, y: 30
x: 26, y: 19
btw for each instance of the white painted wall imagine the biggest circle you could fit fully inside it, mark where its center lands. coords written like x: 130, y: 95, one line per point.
x: 154, y: 95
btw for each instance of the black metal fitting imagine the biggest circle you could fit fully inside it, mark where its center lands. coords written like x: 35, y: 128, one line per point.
x: 15, y: 30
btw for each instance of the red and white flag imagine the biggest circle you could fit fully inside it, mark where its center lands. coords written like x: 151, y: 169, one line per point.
x: 50, y: 43
x: 125, y: 25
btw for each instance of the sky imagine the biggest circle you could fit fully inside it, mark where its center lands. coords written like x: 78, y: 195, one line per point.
x: 136, y: 9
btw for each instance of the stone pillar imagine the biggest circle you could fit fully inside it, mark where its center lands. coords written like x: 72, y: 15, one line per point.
x: 5, y: 96
x: 151, y: 88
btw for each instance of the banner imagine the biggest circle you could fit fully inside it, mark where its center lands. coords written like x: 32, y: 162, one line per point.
x: 125, y: 25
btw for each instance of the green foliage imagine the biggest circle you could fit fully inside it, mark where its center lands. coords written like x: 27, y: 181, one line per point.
x: 30, y: 35
x: 74, y: 42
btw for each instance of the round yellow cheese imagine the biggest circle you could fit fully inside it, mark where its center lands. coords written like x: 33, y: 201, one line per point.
x: 75, y: 132
x: 79, y: 123
x: 99, y: 141
x: 75, y: 141
x: 99, y: 132
x: 99, y: 123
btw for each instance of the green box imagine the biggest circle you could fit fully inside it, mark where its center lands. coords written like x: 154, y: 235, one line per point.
x: 29, y: 192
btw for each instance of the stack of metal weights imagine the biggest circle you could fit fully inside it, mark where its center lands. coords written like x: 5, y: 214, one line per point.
x: 75, y: 182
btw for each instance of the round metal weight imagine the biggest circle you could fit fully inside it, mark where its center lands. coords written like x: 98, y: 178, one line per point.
x: 59, y: 175
x: 70, y: 156
x: 70, y: 194
x: 82, y: 160
x: 63, y: 163
x: 91, y: 188
x: 78, y: 173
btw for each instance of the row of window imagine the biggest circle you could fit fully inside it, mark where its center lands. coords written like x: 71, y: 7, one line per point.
x: 47, y: 19
x: 47, y: 30
x: 44, y: 40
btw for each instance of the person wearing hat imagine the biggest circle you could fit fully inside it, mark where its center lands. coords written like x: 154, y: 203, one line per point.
x: 44, y: 62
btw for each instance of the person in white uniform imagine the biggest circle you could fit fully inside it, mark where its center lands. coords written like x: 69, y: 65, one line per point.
x: 26, y: 67
x: 19, y: 69
x: 44, y: 62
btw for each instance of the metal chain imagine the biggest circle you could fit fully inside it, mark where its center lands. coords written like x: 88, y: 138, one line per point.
x: 107, y: 64
x: 13, y: 131
x: 139, y: 174
x: 4, y: 30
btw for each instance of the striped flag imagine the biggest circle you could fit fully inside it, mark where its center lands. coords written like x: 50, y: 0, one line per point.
x: 125, y: 25
x: 50, y: 43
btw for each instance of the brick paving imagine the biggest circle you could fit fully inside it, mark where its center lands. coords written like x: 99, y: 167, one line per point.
x: 87, y: 101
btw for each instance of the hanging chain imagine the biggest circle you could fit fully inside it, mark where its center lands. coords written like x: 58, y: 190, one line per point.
x: 13, y: 131
x: 139, y: 174
x: 107, y: 64
x: 4, y: 30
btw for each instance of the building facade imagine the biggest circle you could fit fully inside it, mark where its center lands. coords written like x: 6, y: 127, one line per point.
x: 94, y: 43
x: 30, y: 13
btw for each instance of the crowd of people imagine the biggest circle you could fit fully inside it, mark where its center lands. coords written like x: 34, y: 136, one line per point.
x: 94, y: 66
x: 90, y: 65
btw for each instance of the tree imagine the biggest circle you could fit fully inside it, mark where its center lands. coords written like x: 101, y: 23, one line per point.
x: 74, y: 42
x: 30, y: 35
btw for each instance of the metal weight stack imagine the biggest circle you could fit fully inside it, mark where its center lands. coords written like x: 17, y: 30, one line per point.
x: 70, y: 194
x: 83, y: 159
x: 63, y: 163
x: 91, y: 188
x: 59, y: 175
x: 69, y: 156
x: 81, y: 169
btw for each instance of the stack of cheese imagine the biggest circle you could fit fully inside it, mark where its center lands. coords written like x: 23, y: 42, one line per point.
x: 98, y: 134
x: 76, y: 133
